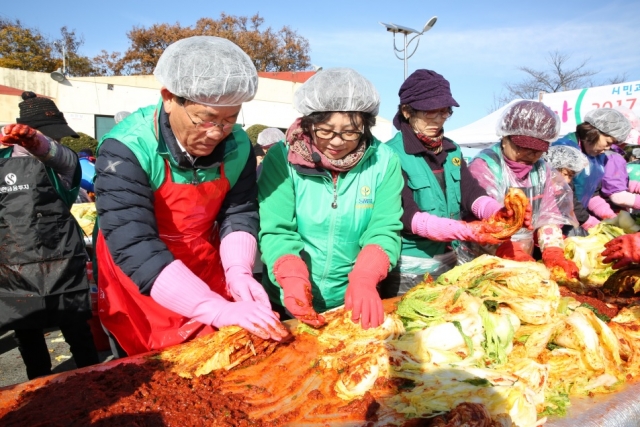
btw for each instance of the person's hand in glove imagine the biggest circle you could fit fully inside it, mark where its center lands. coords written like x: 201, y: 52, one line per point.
x: 362, y: 296
x: 181, y: 291
x: 238, y: 253
x: 29, y: 138
x: 486, y: 207
x: 293, y: 277
x: 553, y: 257
x: 513, y: 251
x: 622, y: 250
x: 600, y: 208
x: 634, y: 186
x: 446, y: 230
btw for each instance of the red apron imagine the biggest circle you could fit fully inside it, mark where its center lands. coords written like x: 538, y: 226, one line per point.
x: 186, y: 218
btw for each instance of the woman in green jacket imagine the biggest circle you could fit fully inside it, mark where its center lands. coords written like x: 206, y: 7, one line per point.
x: 330, y: 204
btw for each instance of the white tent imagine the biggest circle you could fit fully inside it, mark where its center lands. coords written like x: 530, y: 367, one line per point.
x: 479, y: 134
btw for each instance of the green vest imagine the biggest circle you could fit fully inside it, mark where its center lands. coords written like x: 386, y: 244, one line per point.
x: 633, y: 169
x: 139, y: 132
x: 428, y: 195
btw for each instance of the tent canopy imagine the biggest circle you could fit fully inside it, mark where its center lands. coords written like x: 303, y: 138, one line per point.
x: 479, y: 134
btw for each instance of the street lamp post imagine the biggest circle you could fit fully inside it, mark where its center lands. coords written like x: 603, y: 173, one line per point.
x: 393, y: 28
x: 61, y: 73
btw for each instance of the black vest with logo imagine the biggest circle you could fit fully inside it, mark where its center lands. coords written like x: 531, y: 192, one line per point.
x: 42, y: 257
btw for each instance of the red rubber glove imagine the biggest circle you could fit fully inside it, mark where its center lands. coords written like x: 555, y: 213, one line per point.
x: 553, y: 257
x: 26, y: 136
x: 622, y: 250
x: 293, y: 276
x: 362, y: 296
x: 513, y: 251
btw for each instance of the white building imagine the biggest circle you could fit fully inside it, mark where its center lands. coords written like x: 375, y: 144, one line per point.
x: 90, y: 103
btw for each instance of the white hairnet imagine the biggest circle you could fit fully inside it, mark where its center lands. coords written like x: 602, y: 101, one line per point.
x: 120, y: 116
x: 529, y: 118
x: 270, y: 136
x: 337, y: 89
x: 208, y: 70
x: 566, y: 157
x: 609, y: 121
x: 635, y: 152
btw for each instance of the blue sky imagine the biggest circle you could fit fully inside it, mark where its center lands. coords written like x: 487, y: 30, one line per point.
x: 477, y: 46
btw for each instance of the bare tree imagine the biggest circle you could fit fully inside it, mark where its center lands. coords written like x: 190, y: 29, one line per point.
x: 560, y: 76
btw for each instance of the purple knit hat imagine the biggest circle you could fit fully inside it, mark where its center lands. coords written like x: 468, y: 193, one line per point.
x: 425, y: 90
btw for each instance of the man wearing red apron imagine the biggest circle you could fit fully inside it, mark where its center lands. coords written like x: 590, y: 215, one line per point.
x: 177, y: 211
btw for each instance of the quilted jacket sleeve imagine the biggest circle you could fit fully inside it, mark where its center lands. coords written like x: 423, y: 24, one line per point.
x: 124, y: 201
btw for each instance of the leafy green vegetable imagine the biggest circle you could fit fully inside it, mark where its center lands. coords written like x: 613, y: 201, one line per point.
x: 479, y: 382
x: 416, y: 309
x: 304, y: 328
x: 599, y: 315
x: 466, y: 338
x: 558, y: 404
x: 492, y: 305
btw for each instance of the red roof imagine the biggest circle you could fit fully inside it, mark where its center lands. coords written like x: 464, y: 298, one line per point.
x: 8, y: 90
x: 290, y: 76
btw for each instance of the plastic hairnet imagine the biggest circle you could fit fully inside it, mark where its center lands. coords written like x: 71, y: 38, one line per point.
x: 270, y: 136
x: 633, y: 138
x: 120, y: 116
x: 566, y: 157
x: 609, y: 121
x: 529, y: 118
x: 337, y: 89
x: 208, y: 70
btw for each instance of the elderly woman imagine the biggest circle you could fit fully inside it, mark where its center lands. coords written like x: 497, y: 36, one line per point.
x: 570, y: 161
x: 526, y: 129
x: 438, y: 187
x: 330, y: 204
x: 604, y: 184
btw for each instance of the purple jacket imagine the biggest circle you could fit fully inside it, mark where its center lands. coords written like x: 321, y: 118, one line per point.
x: 615, y: 177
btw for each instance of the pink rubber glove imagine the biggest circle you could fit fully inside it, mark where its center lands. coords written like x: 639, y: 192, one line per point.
x: 485, y: 207
x: 181, y: 291
x: 35, y: 142
x: 622, y: 250
x: 591, y: 222
x: 446, y: 230
x: 293, y: 277
x: 626, y: 199
x: 634, y: 186
x: 600, y: 208
x: 362, y: 296
x: 238, y: 253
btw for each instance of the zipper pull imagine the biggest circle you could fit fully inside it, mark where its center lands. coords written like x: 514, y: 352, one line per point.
x: 334, y: 205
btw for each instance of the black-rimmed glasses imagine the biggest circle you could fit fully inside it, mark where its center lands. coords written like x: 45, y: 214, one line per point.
x: 347, y: 135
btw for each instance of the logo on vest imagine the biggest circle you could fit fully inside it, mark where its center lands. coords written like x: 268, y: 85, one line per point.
x: 10, y: 179
x: 456, y: 161
x: 365, y: 190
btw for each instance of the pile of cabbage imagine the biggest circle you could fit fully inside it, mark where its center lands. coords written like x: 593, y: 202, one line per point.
x: 497, y: 332
x: 586, y: 252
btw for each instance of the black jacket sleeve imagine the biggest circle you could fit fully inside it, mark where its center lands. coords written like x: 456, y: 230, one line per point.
x: 124, y: 201
x: 239, y: 210
x: 582, y: 214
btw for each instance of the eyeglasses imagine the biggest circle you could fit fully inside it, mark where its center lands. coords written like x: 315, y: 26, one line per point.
x: 347, y: 135
x: 445, y: 113
x: 224, y: 127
